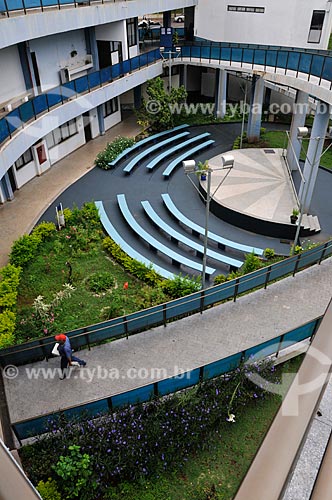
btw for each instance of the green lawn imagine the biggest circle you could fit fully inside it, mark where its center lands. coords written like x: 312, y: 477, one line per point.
x: 278, y: 139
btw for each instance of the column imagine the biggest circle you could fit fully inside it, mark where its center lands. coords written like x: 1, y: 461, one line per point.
x: 167, y: 20
x: 256, y: 107
x: 298, y: 120
x: 137, y: 96
x: 92, y: 47
x: 101, y: 119
x: 315, y: 149
x: 221, y: 93
x: 6, y: 186
x: 184, y: 75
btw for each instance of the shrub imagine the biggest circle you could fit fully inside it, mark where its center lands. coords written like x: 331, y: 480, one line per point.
x: 181, y: 285
x: 251, y: 263
x: 134, y: 267
x: 7, y: 328
x: 115, y: 309
x: 221, y: 278
x: 44, y: 230
x: 112, y: 151
x: 9, y: 281
x: 75, y: 471
x: 269, y: 253
x: 24, y: 249
x: 99, y: 282
x: 48, y: 490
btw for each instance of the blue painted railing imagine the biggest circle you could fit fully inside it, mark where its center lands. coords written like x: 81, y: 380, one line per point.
x: 8, y: 6
x: 35, y: 426
x: 31, y: 110
x: 161, y: 314
x: 311, y: 63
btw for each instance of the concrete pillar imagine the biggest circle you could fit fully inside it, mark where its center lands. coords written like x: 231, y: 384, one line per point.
x: 256, y: 107
x: 101, y: 119
x: 31, y: 70
x: 22, y: 50
x: 315, y: 149
x: 7, y: 189
x: 137, y: 96
x: 91, y: 47
x: 298, y: 120
x: 221, y: 93
x: 184, y: 75
x: 167, y: 20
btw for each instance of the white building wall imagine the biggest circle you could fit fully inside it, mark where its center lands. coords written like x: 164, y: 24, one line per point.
x: 54, y: 53
x: 284, y: 22
x: 114, y: 32
x: 114, y: 118
x: 11, y: 77
x: 66, y: 147
x: 25, y: 174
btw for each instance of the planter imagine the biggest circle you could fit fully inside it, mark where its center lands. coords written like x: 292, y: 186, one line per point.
x: 293, y: 219
x: 203, y: 177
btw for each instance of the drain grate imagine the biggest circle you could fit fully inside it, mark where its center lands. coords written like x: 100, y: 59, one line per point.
x: 269, y: 151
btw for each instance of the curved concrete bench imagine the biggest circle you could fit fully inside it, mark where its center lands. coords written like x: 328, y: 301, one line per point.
x: 154, y: 244
x: 128, y: 168
x: 172, y: 150
x: 112, y: 232
x: 143, y: 142
x: 178, y: 237
x: 167, y: 172
x: 196, y: 229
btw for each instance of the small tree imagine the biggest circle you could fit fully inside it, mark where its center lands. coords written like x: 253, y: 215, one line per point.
x: 158, y: 110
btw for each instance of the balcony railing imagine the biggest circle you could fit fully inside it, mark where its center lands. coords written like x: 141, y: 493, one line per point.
x: 14, y: 7
x: 31, y: 110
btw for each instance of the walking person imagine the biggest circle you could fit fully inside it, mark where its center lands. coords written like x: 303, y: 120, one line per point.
x: 65, y: 351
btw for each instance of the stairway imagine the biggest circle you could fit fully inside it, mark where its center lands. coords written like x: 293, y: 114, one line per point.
x: 309, y: 225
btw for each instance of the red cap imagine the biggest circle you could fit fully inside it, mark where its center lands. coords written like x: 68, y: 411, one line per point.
x: 60, y: 337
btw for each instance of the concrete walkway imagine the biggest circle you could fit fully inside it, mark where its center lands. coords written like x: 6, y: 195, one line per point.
x: 20, y: 215
x: 182, y: 345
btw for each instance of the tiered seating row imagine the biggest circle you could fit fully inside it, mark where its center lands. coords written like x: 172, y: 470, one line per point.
x: 178, y: 237
x: 143, y: 142
x: 184, y: 156
x: 134, y: 161
x: 199, y: 230
x: 112, y: 232
x: 155, y: 245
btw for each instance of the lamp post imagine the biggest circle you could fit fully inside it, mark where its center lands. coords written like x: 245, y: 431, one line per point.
x: 189, y: 167
x: 167, y: 51
x: 302, y: 132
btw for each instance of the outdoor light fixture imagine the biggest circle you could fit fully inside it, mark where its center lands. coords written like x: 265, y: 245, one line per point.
x: 227, y: 161
x: 302, y: 132
x: 189, y: 166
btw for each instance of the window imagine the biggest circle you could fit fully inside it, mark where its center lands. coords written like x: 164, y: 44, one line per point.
x: 316, y: 26
x: 24, y: 159
x: 132, y: 31
x: 238, y: 8
x: 62, y: 133
x: 111, y: 107
x: 114, y: 46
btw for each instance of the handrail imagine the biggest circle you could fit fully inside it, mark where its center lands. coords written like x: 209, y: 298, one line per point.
x: 272, y: 347
x: 162, y: 313
x: 279, y: 451
x: 323, y: 483
x: 29, y: 111
x: 13, y: 6
x: 310, y: 63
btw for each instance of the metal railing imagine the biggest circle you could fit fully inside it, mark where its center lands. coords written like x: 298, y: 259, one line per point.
x: 8, y: 7
x: 32, y: 109
x: 24, y: 429
x: 308, y: 62
x: 299, y: 61
x: 163, y: 313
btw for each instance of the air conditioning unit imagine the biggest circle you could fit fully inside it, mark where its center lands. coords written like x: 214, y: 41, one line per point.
x: 69, y: 73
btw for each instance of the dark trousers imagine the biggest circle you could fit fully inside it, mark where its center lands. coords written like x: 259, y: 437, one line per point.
x: 64, y: 363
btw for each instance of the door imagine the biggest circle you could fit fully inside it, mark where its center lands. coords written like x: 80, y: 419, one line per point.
x: 87, y: 127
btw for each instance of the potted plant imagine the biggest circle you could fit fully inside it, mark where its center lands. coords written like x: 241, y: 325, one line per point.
x: 202, y: 169
x: 294, y: 215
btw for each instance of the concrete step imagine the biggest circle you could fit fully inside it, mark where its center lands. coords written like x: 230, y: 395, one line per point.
x: 310, y: 224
